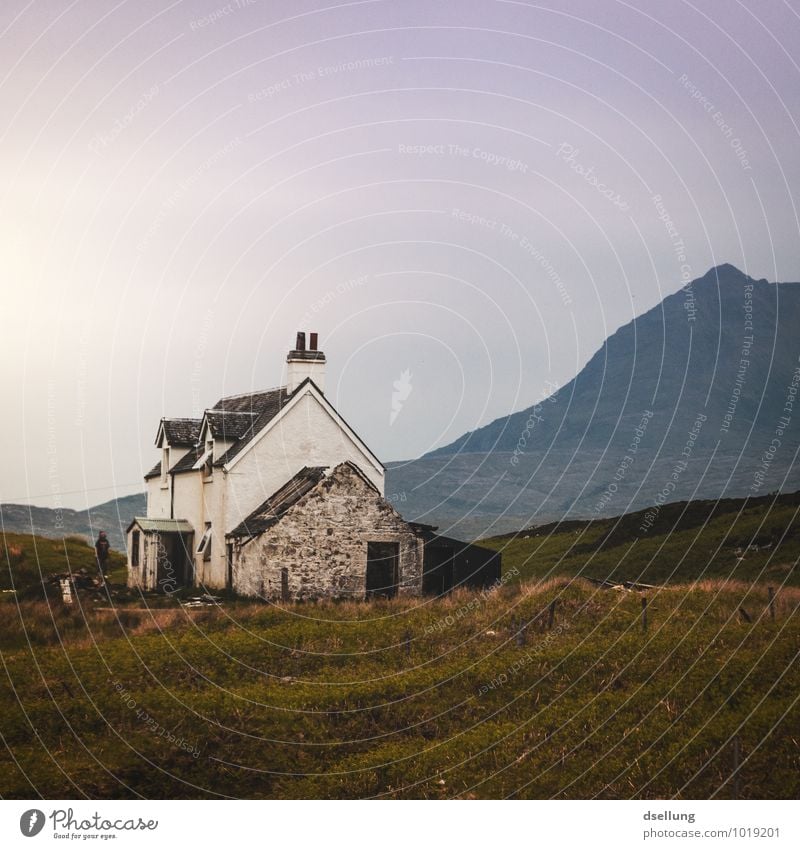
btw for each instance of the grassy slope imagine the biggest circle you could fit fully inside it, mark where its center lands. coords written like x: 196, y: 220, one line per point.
x: 701, y: 539
x: 276, y: 704
x: 27, y: 560
x: 328, y: 700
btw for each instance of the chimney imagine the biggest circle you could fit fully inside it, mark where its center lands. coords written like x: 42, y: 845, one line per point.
x: 302, y: 363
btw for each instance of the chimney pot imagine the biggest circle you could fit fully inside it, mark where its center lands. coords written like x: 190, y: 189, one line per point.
x: 313, y: 341
x: 301, y: 342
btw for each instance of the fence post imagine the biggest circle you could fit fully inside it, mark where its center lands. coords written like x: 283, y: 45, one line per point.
x: 644, y: 613
x: 552, y: 615
x: 736, y: 757
x: 771, y: 593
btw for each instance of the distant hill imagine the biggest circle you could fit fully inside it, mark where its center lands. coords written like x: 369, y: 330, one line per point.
x: 111, y: 516
x: 692, y: 399
x: 754, y: 540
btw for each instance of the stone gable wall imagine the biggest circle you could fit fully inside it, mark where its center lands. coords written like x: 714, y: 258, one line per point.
x: 322, y: 542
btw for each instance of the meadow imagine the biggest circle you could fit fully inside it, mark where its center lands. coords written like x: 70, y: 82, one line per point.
x: 750, y: 540
x: 546, y: 687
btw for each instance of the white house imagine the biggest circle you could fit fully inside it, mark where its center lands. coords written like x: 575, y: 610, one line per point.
x: 272, y: 494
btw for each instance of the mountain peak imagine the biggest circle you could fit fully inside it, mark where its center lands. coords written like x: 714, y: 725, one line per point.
x: 725, y: 272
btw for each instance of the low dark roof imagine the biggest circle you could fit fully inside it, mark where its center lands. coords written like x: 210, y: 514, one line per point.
x: 278, y: 504
x: 181, y: 431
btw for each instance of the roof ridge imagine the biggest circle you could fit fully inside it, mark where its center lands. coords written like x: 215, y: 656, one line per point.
x: 255, y: 392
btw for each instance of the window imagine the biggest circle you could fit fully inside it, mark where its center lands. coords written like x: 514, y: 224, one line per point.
x: 205, y: 543
x: 164, y: 465
x: 135, y: 548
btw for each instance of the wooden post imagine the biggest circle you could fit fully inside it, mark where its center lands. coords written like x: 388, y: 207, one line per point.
x: 520, y: 632
x: 745, y: 615
x: 66, y: 590
x: 552, y: 615
x: 771, y: 592
x: 736, y: 758
x: 644, y: 613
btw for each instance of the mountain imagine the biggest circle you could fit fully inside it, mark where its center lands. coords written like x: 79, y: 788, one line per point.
x: 693, y: 399
x: 111, y: 516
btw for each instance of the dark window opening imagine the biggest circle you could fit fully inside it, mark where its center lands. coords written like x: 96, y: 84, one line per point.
x: 284, y: 584
x: 382, y: 569
x: 135, y: 543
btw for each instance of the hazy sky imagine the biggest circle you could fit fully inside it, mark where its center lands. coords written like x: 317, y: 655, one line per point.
x: 464, y: 190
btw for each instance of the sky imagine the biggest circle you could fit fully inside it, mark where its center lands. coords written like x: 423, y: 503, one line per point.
x: 471, y: 194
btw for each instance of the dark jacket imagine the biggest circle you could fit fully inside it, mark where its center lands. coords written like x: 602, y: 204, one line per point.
x: 102, y: 547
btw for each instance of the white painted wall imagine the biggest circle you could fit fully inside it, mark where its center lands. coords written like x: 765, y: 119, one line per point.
x: 298, y: 370
x: 303, y: 435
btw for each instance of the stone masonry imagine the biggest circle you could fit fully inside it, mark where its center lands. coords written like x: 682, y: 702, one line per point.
x: 321, y: 543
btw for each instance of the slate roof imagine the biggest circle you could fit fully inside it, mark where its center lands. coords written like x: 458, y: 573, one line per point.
x: 229, y: 425
x: 264, y: 405
x: 181, y: 431
x: 188, y: 460
x: 154, y: 472
x: 277, y: 505
x: 240, y: 417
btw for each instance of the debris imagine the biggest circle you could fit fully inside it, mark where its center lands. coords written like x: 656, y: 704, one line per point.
x: 624, y: 585
x: 204, y: 600
x: 80, y: 582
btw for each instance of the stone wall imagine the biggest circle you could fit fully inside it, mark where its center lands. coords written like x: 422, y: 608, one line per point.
x: 322, y: 543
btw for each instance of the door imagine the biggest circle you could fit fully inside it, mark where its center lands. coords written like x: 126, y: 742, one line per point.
x: 382, y: 569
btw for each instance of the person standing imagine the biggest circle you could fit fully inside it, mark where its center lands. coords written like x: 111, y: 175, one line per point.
x: 101, y: 548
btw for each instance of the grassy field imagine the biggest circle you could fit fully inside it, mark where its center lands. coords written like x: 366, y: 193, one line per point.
x: 755, y: 540
x: 475, y: 695
x: 28, y: 560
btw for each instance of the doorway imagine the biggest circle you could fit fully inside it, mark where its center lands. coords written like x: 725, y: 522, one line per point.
x: 174, y: 562
x: 382, y: 569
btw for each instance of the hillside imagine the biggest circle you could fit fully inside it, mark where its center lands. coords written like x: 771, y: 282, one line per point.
x: 111, y: 516
x: 549, y: 688
x: 686, y: 398
x: 265, y: 702
x: 27, y: 561
x: 752, y: 540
